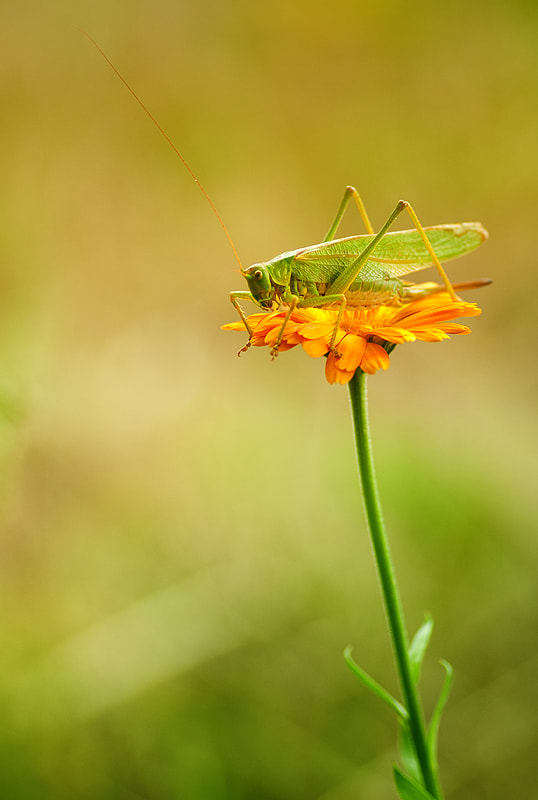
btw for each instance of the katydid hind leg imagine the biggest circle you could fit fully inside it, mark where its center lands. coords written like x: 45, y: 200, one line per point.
x: 431, y: 251
x: 328, y: 300
x: 349, y: 193
x: 342, y: 282
x: 336, y: 291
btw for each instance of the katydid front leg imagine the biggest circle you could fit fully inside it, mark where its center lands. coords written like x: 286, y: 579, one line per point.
x: 235, y: 297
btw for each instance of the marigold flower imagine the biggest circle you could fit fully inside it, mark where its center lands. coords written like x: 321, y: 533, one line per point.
x: 365, y: 335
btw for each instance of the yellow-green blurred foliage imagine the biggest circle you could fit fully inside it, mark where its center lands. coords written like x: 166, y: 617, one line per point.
x: 183, y: 552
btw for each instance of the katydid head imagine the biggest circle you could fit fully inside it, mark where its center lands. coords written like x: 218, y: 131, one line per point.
x: 260, y: 285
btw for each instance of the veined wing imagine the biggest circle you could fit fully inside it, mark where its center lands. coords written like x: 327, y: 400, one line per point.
x: 398, y: 253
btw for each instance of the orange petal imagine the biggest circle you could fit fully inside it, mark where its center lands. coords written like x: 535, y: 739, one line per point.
x: 315, y: 330
x: 352, y: 349
x: 455, y: 327
x: 233, y: 326
x: 375, y: 357
x: 315, y: 347
x: 333, y: 373
x: 430, y: 334
x: 394, y: 334
x: 283, y: 346
x: 271, y: 336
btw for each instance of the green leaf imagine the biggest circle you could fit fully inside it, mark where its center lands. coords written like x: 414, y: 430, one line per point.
x: 436, y: 716
x: 409, y: 789
x: 374, y: 686
x: 418, y: 646
x: 408, y: 755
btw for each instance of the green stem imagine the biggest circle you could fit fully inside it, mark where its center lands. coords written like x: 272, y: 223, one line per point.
x: 393, y: 605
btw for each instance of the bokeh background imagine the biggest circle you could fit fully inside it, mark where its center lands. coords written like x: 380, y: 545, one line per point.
x: 183, y: 552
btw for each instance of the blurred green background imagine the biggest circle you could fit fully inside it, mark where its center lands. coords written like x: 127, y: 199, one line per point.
x: 183, y: 552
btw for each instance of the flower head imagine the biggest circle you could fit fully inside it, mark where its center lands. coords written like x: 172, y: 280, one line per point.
x: 365, y: 336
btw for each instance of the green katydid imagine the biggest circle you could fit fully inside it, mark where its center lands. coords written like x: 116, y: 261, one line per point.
x: 356, y: 271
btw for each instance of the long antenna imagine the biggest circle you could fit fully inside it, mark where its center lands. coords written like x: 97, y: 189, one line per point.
x: 170, y: 142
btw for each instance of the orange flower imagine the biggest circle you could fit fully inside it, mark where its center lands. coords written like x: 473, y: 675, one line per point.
x: 365, y: 335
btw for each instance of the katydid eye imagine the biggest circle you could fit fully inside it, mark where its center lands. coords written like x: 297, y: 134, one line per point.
x: 258, y: 274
